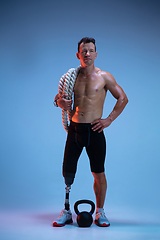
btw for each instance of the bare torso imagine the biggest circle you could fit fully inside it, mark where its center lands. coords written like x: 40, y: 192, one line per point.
x: 89, y: 96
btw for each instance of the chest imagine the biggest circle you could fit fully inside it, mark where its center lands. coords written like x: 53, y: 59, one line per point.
x: 88, y: 86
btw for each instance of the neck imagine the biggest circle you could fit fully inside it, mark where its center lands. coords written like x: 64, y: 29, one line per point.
x: 87, y: 70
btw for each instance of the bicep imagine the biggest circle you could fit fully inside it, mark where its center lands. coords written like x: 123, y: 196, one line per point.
x: 116, y: 91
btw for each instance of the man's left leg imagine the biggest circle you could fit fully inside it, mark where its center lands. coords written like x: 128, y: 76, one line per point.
x: 96, y: 151
x: 100, y: 188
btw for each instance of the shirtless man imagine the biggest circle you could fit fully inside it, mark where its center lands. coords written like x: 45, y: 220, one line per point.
x: 86, y: 126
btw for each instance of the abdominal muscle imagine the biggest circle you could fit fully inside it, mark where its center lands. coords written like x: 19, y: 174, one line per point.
x: 87, y: 109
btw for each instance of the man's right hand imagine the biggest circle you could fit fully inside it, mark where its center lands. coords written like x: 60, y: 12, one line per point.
x: 64, y: 103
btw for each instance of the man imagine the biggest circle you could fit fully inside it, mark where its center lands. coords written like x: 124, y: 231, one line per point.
x: 86, y: 126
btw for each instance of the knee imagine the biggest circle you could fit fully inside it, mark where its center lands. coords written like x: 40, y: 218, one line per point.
x: 69, y: 181
x: 100, y: 177
x: 69, y: 178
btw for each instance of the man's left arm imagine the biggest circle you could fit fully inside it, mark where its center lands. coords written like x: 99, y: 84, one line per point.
x: 122, y: 100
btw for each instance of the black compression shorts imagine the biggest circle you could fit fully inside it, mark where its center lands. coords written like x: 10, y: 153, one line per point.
x: 81, y: 135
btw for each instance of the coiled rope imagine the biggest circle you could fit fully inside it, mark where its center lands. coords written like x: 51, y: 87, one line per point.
x: 66, y: 85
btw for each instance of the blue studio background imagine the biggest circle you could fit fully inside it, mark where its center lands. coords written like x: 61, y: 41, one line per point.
x: 38, y: 44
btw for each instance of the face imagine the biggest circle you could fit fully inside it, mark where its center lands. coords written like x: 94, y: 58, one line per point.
x: 87, y: 54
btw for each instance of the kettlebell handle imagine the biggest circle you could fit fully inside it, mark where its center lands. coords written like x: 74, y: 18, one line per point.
x: 84, y: 201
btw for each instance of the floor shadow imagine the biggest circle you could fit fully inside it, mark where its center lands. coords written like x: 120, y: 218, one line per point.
x: 45, y: 218
x: 48, y: 219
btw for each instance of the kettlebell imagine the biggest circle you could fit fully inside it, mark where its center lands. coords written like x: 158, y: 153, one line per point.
x: 84, y: 219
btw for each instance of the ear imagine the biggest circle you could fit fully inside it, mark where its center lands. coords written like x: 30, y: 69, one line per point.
x: 77, y: 54
x: 96, y: 55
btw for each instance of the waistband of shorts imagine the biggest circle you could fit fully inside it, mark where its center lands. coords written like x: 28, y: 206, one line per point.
x: 74, y: 124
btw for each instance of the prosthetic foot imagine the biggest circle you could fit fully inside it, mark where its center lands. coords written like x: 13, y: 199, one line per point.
x: 66, y: 216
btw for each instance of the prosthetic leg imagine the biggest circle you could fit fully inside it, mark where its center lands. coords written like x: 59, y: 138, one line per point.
x: 69, y: 178
x: 67, y: 205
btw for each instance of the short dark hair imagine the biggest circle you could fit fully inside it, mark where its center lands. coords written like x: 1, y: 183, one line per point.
x: 86, y: 40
